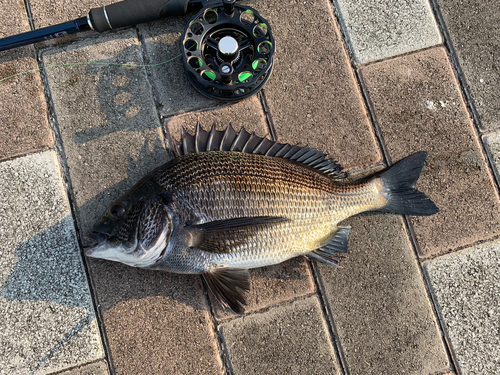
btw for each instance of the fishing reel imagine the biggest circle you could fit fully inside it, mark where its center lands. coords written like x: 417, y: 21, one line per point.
x: 227, y: 48
x: 228, y: 51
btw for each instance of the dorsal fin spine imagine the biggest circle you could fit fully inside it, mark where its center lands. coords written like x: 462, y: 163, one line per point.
x: 242, y: 141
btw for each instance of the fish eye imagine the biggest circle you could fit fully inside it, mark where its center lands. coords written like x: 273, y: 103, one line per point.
x: 117, y: 211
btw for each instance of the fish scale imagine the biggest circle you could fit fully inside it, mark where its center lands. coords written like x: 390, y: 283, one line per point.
x: 212, y: 184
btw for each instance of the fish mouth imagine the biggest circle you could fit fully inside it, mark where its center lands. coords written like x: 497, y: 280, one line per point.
x: 96, y: 241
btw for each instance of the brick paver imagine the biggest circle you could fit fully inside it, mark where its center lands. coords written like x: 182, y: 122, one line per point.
x: 418, y: 106
x: 47, y: 13
x: 173, y: 92
x: 106, y: 115
x: 112, y: 138
x: 380, y: 29
x: 379, y: 303
x: 48, y: 321
x: 25, y: 130
x: 474, y: 29
x: 155, y: 322
x: 312, y: 93
x: 289, y: 339
x: 107, y: 121
x: 466, y: 285
x: 492, y: 145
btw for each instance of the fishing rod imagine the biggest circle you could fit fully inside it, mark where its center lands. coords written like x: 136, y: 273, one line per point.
x: 227, y: 48
x: 109, y: 17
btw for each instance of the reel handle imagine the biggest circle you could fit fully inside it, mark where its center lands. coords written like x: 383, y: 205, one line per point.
x: 131, y: 12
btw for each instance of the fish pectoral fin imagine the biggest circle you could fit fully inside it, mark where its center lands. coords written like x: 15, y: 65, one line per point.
x: 338, y: 244
x: 229, y: 286
x: 239, y: 222
x: 224, y: 236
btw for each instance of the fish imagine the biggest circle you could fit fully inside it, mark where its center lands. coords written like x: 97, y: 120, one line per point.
x: 232, y: 201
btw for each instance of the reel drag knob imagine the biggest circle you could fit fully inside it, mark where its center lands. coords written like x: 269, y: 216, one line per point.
x: 228, y: 46
x: 228, y: 51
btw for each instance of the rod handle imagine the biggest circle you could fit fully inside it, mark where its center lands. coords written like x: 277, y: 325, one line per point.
x: 131, y: 12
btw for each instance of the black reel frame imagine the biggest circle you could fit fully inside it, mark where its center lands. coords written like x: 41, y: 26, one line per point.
x: 228, y: 51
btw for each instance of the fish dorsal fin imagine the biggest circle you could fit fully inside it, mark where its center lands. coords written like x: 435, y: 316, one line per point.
x: 229, y: 286
x: 243, y: 141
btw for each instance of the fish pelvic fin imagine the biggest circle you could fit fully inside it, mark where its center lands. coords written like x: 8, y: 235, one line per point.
x: 399, y: 187
x: 328, y: 253
x: 229, y: 286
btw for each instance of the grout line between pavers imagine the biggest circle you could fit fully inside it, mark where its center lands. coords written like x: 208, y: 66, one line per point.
x: 221, y: 344
x: 77, y: 366
x: 446, y: 335
x: 407, y: 225
x: 385, y: 156
x: 459, y: 249
x: 403, y: 54
x: 471, y: 106
x: 428, y: 289
x: 262, y: 310
x: 221, y: 347
x: 269, y: 117
x: 66, y: 181
x: 154, y: 94
x: 29, y: 15
x: 328, y: 316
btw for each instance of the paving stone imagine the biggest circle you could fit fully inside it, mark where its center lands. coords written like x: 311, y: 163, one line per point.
x: 247, y: 113
x: 98, y: 368
x: 380, y: 29
x: 288, y: 339
x: 312, y: 93
x: 418, y: 106
x: 473, y: 26
x: 25, y: 130
x: 492, y: 145
x: 48, y: 321
x: 13, y: 19
x: 107, y: 118
x: 173, y: 91
x: 48, y: 13
x: 379, y: 303
x: 268, y: 285
x: 155, y: 323
x: 467, y: 285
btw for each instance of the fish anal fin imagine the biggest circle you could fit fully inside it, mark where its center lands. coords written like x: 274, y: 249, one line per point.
x: 328, y: 253
x: 226, y: 236
x: 229, y: 286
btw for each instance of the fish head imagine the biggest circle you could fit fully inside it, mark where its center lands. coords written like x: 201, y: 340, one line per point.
x: 135, y: 230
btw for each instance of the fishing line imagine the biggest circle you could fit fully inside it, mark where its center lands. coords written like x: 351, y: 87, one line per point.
x: 91, y: 63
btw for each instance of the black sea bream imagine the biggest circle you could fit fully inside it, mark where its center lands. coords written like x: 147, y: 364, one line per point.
x: 232, y: 201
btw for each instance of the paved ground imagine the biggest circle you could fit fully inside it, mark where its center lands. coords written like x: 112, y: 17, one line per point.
x: 369, y: 82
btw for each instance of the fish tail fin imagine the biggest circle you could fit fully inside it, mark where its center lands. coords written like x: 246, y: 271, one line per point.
x: 399, y: 185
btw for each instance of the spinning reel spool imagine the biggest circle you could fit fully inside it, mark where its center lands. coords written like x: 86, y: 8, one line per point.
x: 228, y: 51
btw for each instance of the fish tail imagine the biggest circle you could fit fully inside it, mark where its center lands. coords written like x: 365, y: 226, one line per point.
x: 399, y: 187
